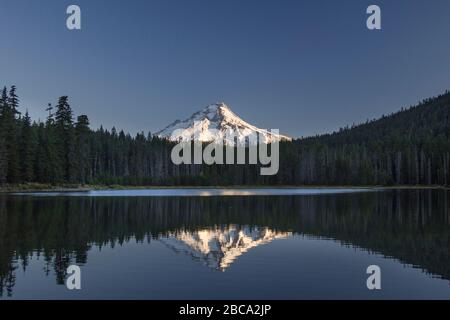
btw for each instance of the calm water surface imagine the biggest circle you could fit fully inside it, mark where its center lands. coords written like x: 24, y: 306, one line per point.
x: 226, y: 244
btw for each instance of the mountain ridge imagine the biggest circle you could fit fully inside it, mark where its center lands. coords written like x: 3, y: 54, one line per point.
x: 216, y: 122
x: 430, y: 117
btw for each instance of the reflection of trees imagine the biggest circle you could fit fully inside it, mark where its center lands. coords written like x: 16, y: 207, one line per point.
x: 412, y: 226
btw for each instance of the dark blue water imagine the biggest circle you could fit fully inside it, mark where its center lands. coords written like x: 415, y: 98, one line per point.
x: 304, y: 246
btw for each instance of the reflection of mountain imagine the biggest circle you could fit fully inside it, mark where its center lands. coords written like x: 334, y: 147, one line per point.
x: 412, y: 226
x: 219, y: 247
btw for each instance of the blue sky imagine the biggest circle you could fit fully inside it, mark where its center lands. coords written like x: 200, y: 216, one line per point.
x: 305, y: 67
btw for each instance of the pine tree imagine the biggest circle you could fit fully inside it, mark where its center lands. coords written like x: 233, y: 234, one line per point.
x: 65, y: 139
x: 14, y: 101
x: 51, y: 166
x: 3, y: 149
x: 10, y: 111
x: 3, y: 161
x: 26, y: 150
x: 3, y: 103
x: 63, y: 115
x: 82, y: 132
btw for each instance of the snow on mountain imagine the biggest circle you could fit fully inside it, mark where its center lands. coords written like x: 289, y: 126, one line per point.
x: 216, y: 122
x: 218, y: 248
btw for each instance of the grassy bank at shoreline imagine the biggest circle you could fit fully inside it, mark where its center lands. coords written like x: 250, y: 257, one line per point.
x: 39, y: 187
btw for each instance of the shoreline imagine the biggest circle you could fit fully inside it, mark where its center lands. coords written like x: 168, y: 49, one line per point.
x: 36, y: 187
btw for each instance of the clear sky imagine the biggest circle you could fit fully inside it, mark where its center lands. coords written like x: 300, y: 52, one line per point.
x: 304, y: 67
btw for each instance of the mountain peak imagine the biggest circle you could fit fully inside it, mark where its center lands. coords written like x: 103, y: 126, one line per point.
x: 212, y: 123
x: 217, y: 105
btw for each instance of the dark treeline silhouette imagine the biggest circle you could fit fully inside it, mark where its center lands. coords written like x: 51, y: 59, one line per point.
x: 411, y: 147
x: 409, y: 225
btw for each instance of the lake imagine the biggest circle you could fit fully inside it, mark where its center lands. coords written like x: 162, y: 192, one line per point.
x: 226, y: 244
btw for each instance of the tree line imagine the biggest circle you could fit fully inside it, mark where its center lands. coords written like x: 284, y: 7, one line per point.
x: 410, y: 147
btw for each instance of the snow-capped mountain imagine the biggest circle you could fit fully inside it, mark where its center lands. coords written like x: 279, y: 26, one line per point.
x: 218, y: 248
x: 218, y: 123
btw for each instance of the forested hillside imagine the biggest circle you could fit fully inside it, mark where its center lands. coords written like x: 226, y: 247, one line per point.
x: 406, y: 148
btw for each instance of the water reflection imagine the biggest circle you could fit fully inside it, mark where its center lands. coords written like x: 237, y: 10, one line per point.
x: 411, y: 226
x: 200, y: 192
x: 218, y: 248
